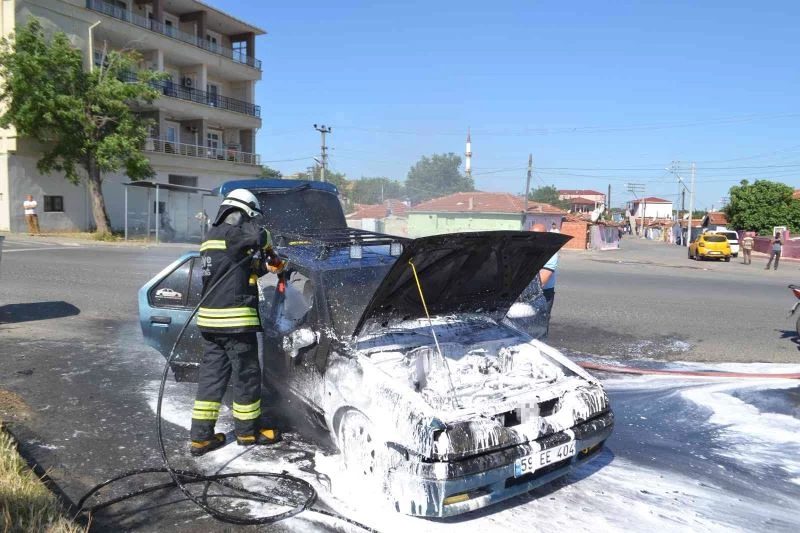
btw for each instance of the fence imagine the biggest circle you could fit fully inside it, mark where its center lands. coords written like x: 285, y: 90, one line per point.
x: 192, y: 150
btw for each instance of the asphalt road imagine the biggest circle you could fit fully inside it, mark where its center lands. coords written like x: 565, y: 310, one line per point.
x: 649, y: 300
x: 80, y: 389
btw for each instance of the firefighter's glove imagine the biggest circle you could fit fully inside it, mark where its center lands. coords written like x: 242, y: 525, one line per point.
x: 276, y: 265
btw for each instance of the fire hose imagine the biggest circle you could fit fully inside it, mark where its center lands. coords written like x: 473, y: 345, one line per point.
x: 182, y: 478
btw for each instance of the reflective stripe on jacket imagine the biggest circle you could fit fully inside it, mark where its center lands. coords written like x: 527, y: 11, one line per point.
x: 233, y: 306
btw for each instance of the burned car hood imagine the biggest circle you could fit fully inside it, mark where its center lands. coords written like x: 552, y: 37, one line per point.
x: 480, y: 272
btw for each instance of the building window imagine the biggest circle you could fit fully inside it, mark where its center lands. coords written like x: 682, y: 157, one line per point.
x: 53, y: 204
x: 239, y: 51
x: 186, y: 181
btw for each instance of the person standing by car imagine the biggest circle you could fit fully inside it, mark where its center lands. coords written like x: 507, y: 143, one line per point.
x: 228, y: 322
x: 31, y: 218
x: 747, y: 248
x: 543, y: 285
x: 777, y: 246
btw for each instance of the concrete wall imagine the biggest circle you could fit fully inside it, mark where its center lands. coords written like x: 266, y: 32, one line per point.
x: 422, y: 224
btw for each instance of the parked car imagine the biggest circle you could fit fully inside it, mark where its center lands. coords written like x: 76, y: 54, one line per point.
x: 710, y: 246
x: 733, y: 241
x: 446, y: 414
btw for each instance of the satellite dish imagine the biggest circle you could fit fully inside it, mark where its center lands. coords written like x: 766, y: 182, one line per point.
x: 597, y: 212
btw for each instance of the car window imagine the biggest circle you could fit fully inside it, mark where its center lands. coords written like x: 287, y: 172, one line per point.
x: 732, y: 236
x: 716, y: 238
x: 173, y: 290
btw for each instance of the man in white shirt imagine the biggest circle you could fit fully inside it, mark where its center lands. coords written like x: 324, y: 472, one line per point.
x: 30, y: 205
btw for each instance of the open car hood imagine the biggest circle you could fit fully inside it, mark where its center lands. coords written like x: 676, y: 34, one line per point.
x: 480, y: 272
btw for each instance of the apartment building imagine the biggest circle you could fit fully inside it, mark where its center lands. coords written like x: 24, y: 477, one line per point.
x: 205, y: 120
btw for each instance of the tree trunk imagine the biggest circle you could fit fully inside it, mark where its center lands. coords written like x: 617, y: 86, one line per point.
x: 95, y: 184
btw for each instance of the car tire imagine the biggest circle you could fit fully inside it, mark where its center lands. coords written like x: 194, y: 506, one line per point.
x: 361, y: 452
x: 736, y: 255
x: 728, y: 259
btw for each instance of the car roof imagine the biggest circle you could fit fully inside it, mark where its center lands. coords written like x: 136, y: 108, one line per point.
x: 256, y: 185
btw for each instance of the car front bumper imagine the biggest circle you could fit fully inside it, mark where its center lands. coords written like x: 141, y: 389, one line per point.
x: 439, y: 489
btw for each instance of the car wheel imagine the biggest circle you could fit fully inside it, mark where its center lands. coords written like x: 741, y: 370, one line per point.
x: 361, y: 451
x: 736, y: 255
x: 728, y: 259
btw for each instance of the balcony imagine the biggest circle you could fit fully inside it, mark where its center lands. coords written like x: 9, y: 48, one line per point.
x: 173, y: 90
x: 164, y: 29
x: 162, y: 146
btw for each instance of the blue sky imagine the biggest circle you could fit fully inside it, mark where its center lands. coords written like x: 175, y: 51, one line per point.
x: 600, y: 92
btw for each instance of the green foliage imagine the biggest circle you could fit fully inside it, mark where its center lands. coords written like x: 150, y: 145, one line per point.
x: 269, y: 172
x: 761, y: 206
x: 80, y: 119
x: 548, y: 194
x: 435, y: 176
x: 375, y: 190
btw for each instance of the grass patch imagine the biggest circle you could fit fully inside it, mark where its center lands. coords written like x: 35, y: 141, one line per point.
x: 106, y: 236
x: 25, y: 503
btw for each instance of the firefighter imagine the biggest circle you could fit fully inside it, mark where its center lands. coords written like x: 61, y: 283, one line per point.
x: 228, y: 321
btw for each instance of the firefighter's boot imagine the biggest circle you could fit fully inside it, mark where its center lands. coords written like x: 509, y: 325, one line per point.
x: 201, y: 447
x: 263, y: 436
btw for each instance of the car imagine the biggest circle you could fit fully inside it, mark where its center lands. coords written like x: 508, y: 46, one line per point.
x: 444, y: 412
x: 733, y: 240
x: 710, y: 246
x: 168, y: 294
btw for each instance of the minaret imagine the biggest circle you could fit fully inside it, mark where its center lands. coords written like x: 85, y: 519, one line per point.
x: 468, y: 153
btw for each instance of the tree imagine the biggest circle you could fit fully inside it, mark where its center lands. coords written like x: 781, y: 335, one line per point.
x: 548, y: 194
x: 80, y: 119
x: 269, y: 172
x: 435, y: 176
x: 375, y: 190
x: 761, y: 206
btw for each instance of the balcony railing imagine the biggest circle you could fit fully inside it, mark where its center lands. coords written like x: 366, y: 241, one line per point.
x: 162, y: 146
x: 173, y: 90
x: 170, y: 31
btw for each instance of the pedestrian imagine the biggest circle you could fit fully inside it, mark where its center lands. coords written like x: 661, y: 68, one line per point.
x: 553, y: 228
x: 747, y: 248
x: 31, y: 218
x: 777, y: 246
x: 547, y: 278
x: 228, y: 322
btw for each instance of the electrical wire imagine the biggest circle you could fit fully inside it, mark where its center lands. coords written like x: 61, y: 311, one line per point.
x: 181, y: 478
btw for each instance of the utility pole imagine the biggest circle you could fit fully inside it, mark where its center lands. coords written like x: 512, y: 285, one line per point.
x: 468, y: 157
x: 691, y: 210
x: 638, y: 188
x: 322, y: 129
x: 608, y: 202
x: 527, y: 188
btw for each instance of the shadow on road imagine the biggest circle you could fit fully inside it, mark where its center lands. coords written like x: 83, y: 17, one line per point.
x: 16, y: 313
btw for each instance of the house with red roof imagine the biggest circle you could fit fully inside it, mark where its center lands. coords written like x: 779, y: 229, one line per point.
x: 596, y: 197
x: 652, y: 207
x: 478, y: 211
x: 389, y: 217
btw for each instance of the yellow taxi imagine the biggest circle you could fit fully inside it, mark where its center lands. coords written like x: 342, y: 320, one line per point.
x: 710, y: 246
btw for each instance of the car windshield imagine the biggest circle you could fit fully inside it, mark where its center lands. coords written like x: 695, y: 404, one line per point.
x: 715, y: 238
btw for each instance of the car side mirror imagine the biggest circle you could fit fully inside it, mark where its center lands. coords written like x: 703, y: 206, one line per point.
x: 299, y: 339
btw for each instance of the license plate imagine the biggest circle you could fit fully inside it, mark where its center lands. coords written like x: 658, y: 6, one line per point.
x: 535, y: 461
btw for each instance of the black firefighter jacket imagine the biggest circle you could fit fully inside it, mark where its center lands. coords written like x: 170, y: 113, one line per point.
x: 233, y: 305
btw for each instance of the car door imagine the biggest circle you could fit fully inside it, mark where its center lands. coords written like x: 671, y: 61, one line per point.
x: 292, y: 342
x: 165, y: 304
